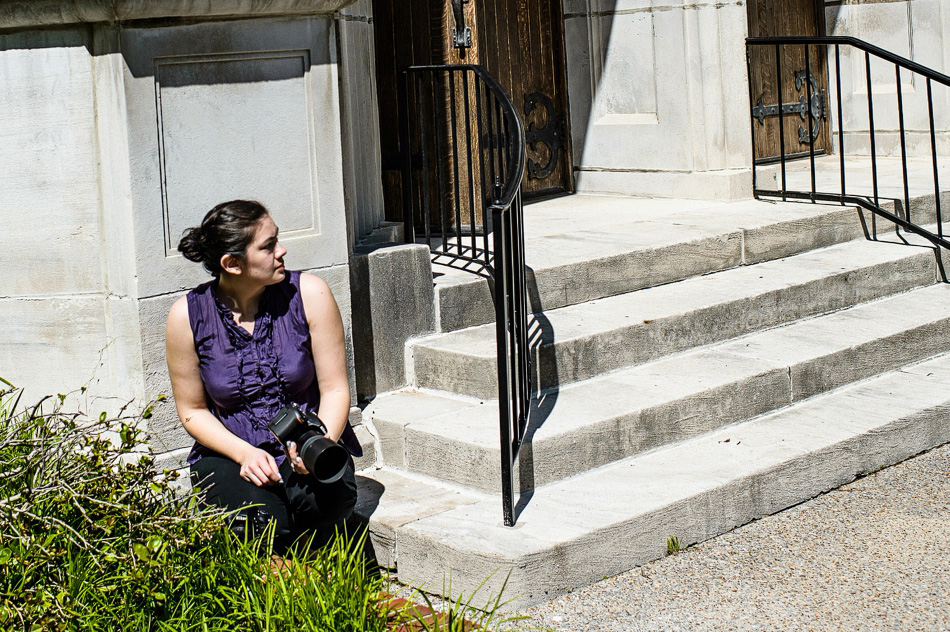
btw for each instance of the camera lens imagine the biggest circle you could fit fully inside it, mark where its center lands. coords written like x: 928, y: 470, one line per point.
x: 324, y: 459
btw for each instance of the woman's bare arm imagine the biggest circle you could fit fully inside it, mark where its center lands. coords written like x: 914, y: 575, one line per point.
x: 329, y: 353
x: 257, y: 466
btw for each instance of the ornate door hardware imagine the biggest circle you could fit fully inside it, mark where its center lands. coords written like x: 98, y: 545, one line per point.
x: 816, y: 109
x: 552, y: 135
x: 461, y: 34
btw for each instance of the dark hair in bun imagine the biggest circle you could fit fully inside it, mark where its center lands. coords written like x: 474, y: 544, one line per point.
x: 227, y: 229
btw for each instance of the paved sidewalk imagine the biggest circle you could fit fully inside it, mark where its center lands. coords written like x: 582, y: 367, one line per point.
x: 871, y: 555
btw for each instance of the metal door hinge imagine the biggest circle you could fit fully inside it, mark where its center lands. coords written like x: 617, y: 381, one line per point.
x: 812, y: 112
x: 552, y: 135
x: 461, y: 34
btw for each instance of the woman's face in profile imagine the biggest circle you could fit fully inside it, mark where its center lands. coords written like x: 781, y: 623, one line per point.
x: 264, y: 257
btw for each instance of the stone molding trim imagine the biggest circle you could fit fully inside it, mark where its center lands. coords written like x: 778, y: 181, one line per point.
x: 17, y: 14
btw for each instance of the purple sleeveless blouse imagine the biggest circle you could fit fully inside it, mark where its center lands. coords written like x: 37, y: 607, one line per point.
x: 248, y: 378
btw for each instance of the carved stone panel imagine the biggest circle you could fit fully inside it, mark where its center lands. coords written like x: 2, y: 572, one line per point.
x: 220, y: 118
x: 626, y: 78
x: 226, y: 111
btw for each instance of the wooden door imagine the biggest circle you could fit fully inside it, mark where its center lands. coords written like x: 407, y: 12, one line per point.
x: 407, y: 33
x: 804, y: 96
x: 521, y: 43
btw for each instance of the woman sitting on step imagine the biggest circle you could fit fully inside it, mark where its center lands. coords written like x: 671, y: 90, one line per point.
x: 242, y: 346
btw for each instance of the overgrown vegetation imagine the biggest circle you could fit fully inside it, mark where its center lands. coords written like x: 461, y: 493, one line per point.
x: 92, y: 537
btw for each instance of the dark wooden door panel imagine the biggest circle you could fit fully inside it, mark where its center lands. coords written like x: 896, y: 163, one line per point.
x: 521, y: 42
x: 407, y: 33
x: 774, y: 74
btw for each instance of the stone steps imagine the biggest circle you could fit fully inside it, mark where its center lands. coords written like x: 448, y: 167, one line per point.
x: 614, y: 416
x: 581, y: 529
x: 572, y: 258
x: 695, y: 367
x: 582, y: 341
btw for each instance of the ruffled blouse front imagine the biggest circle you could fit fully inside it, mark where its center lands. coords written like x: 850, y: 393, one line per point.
x: 248, y: 378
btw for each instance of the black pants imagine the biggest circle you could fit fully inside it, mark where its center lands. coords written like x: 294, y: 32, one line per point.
x: 299, y: 505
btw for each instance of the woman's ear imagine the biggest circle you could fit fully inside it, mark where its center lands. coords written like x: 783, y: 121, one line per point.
x: 231, y: 264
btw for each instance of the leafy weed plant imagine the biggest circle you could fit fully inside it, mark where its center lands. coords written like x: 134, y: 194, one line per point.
x: 93, y: 537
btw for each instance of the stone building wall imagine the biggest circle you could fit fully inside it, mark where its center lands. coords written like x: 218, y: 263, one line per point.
x: 122, y: 124
x: 658, y: 97
x: 361, y: 164
x: 659, y: 90
x: 66, y: 313
x: 916, y: 29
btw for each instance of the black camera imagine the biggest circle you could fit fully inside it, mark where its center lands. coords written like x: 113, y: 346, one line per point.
x: 325, y: 459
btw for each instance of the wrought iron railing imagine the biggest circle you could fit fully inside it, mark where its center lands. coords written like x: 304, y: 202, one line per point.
x: 810, y: 108
x: 463, y: 156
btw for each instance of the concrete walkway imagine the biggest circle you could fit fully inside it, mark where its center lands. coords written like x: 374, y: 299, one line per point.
x: 871, y: 555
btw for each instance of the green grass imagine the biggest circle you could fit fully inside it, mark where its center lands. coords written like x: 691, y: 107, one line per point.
x: 93, y: 538
x: 673, y: 545
x: 457, y: 614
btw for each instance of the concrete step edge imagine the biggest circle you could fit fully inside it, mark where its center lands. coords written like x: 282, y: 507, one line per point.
x: 614, y: 416
x: 606, y: 521
x: 629, y: 329
x: 464, y: 300
x: 409, y: 497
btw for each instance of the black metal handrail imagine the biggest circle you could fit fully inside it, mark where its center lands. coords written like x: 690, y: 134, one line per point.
x: 871, y: 201
x: 463, y: 156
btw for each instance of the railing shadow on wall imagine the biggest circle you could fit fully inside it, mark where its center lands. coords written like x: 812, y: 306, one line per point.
x: 463, y: 160
x: 888, y: 115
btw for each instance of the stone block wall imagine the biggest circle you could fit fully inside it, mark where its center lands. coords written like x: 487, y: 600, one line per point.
x: 362, y: 160
x: 658, y: 92
x: 118, y: 132
x: 918, y: 30
x: 65, y: 321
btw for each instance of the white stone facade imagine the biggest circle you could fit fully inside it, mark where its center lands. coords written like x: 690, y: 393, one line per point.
x: 118, y: 135
x: 918, y: 30
x: 658, y: 97
x: 123, y: 121
x: 659, y: 90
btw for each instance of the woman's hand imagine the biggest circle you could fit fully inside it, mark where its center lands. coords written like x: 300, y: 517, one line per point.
x: 259, y: 467
x: 296, y: 463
